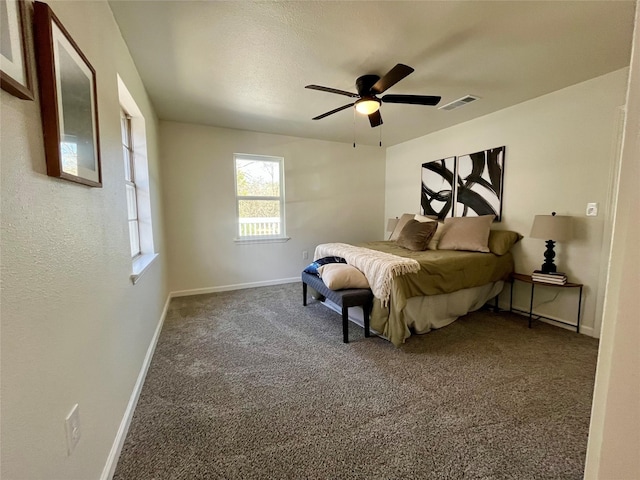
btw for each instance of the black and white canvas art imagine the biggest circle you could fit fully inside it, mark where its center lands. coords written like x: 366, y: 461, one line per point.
x: 438, y: 183
x: 479, y: 179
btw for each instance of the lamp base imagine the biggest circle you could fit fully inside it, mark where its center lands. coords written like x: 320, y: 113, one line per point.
x: 548, y: 266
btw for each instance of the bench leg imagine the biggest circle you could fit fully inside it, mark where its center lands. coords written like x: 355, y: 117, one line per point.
x: 345, y: 324
x: 304, y: 294
x: 366, y: 310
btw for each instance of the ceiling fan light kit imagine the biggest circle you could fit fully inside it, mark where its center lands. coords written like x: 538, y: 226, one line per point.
x: 369, y: 86
x: 367, y: 106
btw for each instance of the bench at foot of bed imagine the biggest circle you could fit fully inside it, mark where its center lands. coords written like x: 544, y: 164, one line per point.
x: 351, y: 297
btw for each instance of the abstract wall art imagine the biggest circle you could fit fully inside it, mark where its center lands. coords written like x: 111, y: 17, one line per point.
x: 479, y: 179
x: 438, y: 183
x: 465, y: 186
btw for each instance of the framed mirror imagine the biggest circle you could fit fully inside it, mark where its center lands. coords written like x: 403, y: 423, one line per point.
x: 15, y: 70
x: 68, y: 100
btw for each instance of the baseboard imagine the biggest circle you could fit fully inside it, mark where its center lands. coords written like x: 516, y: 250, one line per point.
x: 238, y: 286
x: 589, y: 331
x: 118, y: 443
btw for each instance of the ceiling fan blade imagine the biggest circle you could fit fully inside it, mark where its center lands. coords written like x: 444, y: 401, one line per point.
x: 332, y: 90
x: 333, y: 111
x: 411, y: 99
x: 375, y: 119
x: 392, y: 77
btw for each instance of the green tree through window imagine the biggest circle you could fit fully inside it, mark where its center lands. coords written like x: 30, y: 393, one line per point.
x: 259, y: 195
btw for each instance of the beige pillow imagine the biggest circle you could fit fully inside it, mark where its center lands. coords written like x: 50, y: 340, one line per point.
x: 425, y: 218
x: 416, y: 235
x: 402, y: 221
x: 435, y: 240
x: 466, y: 233
x: 337, y: 276
x: 501, y: 241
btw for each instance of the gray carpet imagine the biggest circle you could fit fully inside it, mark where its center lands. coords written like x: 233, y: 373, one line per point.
x: 250, y: 384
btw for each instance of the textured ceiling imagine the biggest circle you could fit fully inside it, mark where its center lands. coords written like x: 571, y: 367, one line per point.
x: 244, y: 64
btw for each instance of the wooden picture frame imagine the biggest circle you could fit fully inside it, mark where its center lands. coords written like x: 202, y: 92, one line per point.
x: 68, y: 101
x: 15, y: 69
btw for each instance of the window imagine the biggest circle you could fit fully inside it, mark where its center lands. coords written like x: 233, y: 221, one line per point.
x: 130, y: 184
x: 260, y: 197
x: 136, y: 183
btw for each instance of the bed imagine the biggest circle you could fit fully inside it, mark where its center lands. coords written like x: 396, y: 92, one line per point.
x: 420, y: 289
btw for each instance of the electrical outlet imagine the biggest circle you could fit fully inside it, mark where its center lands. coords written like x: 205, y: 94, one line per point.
x: 592, y: 209
x: 72, y: 427
x: 305, y: 255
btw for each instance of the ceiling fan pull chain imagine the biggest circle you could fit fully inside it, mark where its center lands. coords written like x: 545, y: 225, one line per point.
x: 381, y: 135
x: 354, y: 128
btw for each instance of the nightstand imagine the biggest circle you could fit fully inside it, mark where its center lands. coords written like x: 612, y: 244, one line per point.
x: 527, y: 279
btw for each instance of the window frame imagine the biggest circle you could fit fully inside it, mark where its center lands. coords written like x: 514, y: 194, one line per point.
x: 140, y: 173
x: 281, y: 198
x: 130, y: 171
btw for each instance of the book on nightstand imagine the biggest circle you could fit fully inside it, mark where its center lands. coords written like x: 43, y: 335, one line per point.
x: 555, y: 278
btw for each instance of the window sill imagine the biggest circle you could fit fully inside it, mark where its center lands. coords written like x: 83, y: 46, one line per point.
x: 141, y: 265
x: 261, y: 240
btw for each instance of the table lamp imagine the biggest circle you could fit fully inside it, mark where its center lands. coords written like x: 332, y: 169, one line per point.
x: 552, y: 228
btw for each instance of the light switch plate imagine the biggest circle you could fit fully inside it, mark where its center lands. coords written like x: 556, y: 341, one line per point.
x: 592, y: 209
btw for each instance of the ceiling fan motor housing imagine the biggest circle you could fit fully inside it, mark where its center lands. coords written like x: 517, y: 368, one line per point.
x: 364, y: 84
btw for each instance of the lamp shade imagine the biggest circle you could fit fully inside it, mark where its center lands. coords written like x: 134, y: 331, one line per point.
x: 391, y: 224
x: 552, y: 227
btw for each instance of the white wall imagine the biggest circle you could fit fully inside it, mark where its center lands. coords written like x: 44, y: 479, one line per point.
x: 74, y: 328
x: 334, y: 193
x: 614, y: 436
x: 560, y: 151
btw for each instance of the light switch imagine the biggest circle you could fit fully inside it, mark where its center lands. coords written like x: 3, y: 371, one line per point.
x: 592, y: 209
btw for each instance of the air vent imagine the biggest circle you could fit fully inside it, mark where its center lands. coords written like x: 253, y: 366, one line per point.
x: 459, y: 103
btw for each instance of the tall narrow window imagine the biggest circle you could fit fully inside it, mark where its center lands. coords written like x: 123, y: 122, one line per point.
x: 130, y: 184
x: 260, y: 197
x: 137, y: 184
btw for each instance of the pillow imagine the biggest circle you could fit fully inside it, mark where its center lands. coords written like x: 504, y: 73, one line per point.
x: 337, y: 276
x: 402, y: 221
x: 501, y: 241
x: 416, y: 235
x: 466, y: 233
x: 425, y: 218
x: 313, y: 267
x: 435, y: 240
x: 433, y: 243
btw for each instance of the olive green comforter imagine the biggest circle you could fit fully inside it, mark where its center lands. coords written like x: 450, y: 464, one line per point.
x: 441, y: 271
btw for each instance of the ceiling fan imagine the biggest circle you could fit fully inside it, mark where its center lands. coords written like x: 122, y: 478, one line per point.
x: 369, y: 86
